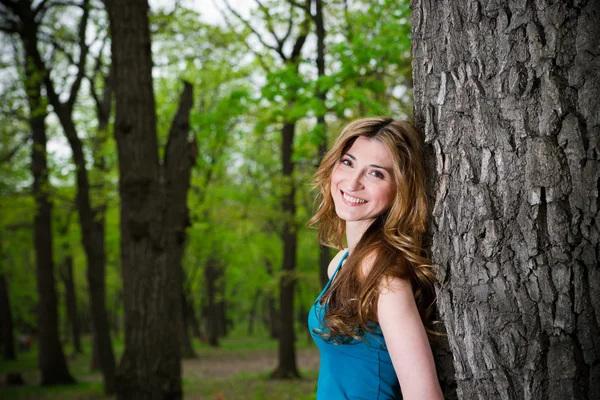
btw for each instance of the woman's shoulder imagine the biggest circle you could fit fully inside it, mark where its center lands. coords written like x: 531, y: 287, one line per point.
x: 333, y: 264
x: 390, y: 257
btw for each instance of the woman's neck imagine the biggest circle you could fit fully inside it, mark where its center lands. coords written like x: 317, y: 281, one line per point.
x: 354, y: 231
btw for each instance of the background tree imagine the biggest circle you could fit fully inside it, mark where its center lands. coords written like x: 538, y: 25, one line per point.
x: 508, y: 98
x: 51, y: 357
x: 152, y: 217
x: 287, y: 79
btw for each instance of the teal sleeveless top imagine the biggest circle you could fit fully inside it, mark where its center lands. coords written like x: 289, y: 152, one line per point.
x: 358, y: 369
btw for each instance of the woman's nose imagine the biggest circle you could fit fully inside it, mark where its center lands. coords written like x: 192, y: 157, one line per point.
x: 355, y: 181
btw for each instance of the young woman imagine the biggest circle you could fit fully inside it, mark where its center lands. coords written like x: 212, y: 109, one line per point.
x: 369, y: 320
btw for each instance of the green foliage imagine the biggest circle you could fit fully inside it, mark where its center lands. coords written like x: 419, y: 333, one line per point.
x: 244, y: 93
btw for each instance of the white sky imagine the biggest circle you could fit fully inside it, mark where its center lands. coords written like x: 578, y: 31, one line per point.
x: 208, y: 8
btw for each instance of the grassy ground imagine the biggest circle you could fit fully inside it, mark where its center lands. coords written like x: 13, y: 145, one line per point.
x: 239, y: 369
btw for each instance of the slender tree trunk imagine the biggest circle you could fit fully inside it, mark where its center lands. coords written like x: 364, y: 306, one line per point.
x: 71, y: 298
x: 273, y: 315
x: 187, y: 350
x: 51, y: 358
x: 287, y: 351
x: 98, y: 223
x: 194, y: 320
x: 508, y: 96
x: 6, y: 322
x: 324, y: 251
x: 252, y: 312
x: 222, y: 311
x: 211, y: 275
x: 151, y: 227
x: 92, y: 238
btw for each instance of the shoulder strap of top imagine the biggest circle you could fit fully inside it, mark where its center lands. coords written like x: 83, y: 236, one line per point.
x: 338, y: 267
x: 332, y: 276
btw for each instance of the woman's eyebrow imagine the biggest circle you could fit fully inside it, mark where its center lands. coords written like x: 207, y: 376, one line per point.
x: 388, y: 170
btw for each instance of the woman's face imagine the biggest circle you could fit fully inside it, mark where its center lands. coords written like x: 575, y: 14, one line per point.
x: 362, y: 183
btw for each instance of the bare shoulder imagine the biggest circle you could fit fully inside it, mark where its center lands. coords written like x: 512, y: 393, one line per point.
x: 393, y: 284
x: 335, y: 262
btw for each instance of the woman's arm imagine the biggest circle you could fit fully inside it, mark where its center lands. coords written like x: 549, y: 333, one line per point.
x: 407, y: 342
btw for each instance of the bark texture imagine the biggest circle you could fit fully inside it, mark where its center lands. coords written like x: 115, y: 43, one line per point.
x: 508, y: 94
x: 153, y: 212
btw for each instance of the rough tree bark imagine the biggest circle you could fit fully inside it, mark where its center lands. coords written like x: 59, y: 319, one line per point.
x: 153, y: 212
x: 508, y: 94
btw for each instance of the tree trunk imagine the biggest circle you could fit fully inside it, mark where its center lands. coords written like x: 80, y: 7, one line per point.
x: 287, y: 351
x: 51, y: 358
x: 151, y: 213
x: 252, y: 312
x: 224, y: 323
x: 508, y: 95
x: 98, y: 224
x: 272, y: 315
x: 187, y: 350
x: 6, y: 323
x: 92, y: 236
x: 194, y: 320
x: 71, y: 298
x: 211, y: 276
x: 324, y: 252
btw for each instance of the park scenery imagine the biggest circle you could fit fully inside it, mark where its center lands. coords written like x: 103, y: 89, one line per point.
x: 156, y: 159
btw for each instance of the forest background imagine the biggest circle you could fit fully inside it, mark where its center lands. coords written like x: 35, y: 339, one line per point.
x: 267, y: 78
x: 156, y: 175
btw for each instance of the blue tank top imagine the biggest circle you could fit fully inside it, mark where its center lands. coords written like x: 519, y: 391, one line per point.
x: 359, y: 369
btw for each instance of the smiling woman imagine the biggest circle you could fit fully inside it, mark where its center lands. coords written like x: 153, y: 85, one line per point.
x: 369, y: 320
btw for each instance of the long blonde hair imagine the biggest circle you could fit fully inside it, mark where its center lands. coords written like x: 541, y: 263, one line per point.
x: 394, y: 238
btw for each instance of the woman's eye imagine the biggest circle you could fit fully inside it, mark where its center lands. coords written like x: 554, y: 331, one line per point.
x: 377, y: 174
x: 347, y: 162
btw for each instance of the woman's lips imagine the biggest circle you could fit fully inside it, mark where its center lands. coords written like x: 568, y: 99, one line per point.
x: 351, y: 200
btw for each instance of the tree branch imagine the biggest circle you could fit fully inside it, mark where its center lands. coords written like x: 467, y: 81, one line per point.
x: 289, y: 27
x: 177, y: 143
x: 40, y: 11
x: 83, y: 51
x: 55, y: 44
x: 249, y: 26
x: 7, y: 22
x: 306, y: 8
x: 303, y: 34
x: 11, y: 5
x: 11, y: 153
x: 257, y: 56
x: 270, y: 26
x: 96, y: 72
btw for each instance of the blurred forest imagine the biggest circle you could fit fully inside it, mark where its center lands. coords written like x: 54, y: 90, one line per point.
x: 266, y: 85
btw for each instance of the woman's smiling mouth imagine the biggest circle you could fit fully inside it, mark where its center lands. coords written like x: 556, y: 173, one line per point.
x: 351, y: 200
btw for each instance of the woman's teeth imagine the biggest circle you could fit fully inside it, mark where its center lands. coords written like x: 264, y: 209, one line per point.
x: 354, y: 199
